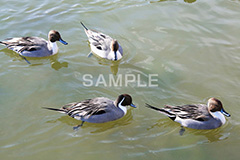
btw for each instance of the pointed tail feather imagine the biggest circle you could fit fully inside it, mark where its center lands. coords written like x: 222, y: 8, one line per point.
x: 3, y: 43
x: 163, y: 111
x: 84, y: 26
x: 55, y: 109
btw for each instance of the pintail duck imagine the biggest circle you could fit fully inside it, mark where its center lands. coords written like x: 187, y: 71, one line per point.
x: 97, y: 110
x: 35, y: 46
x: 103, y: 45
x: 196, y: 116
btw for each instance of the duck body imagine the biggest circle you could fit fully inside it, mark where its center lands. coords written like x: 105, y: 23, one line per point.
x: 103, y: 45
x: 97, y: 110
x: 196, y: 116
x: 34, y: 46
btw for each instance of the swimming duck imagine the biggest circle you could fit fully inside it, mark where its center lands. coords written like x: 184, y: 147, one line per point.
x: 103, y: 45
x: 35, y: 46
x: 196, y: 116
x: 97, y: 110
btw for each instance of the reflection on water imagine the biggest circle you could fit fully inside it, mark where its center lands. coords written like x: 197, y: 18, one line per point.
x: 114, y: 69
x: 55, y: 64
x: 187, y: 1
x: 32, y: 61
x: 192, y: 45
x: 190, y: 1
x: 112, y: 64
x: 212, y: 135
x: 58, y: 65
x: 12, y: 54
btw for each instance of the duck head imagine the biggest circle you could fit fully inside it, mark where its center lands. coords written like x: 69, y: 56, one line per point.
x: 124, y: 100
x: 54, y: 36
x: 114, y: 48
x: 215, y: 105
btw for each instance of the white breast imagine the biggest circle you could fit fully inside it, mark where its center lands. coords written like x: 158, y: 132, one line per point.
x: 53, y: 46
x: 219, y: 116
x: 111, y: 55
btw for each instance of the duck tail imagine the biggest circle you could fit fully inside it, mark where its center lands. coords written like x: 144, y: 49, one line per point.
x: 84, y: 26
x: 163, y: 111
x: 6, y: 43
x: 3, y: 43
x: 55, y: 109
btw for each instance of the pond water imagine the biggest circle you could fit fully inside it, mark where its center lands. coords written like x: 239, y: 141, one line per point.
x: 175, y: 52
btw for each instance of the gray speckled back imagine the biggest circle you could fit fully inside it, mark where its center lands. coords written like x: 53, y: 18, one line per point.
x: 107, y: 111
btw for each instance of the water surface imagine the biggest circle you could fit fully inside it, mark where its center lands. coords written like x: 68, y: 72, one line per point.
x: 192, y: 46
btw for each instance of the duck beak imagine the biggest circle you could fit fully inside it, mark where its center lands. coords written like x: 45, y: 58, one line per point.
x: 63, y: 42
x: 132, y: 105
x: 225, y: 113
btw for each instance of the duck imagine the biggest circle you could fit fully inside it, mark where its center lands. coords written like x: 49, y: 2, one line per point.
x: 97, y: 110
x: 196, y: 116
x: 35, y: 46
x: 103, y: 45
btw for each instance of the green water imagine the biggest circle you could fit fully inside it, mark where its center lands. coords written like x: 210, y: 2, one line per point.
x: 192, y: 47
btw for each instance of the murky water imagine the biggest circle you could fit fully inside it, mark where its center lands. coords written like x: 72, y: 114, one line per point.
x: 190, y: 47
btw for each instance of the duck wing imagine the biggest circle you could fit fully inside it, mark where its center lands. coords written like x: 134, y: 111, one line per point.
x: 24, y: 44
x: 87, y: 107
x: 99, y: 40
x: 197, y: 112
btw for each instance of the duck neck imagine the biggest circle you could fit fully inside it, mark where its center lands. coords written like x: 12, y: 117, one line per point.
x: 123, y: 108
x: 111, y: 55
x: 53, y: 47
x: 219, y: 116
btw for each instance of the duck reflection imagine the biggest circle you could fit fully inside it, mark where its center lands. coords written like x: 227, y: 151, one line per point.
x: 187, y: 1
x: 55, y: 64
x: 212, y: 135
x: 190, y: 1
x: 112, y: 64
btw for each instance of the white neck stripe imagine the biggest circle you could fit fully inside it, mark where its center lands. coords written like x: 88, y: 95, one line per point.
x: 123, y: 108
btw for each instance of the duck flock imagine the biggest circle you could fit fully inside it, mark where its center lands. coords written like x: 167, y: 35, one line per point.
x: 101, y: 109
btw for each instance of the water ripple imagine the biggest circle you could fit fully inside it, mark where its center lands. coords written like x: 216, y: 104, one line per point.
x: 191, y: 45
